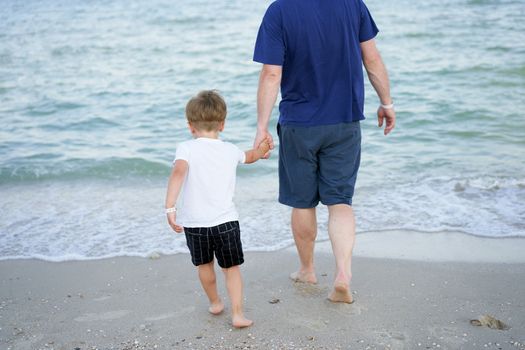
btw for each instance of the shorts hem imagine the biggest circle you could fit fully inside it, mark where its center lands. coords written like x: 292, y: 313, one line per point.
x: 201, y: 262
x: 298, y: 205
x: 227, y: 266
x: 337, y: 201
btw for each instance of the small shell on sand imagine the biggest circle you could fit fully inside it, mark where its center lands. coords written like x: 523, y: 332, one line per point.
x: 154, y: 255
x: 489, y: 321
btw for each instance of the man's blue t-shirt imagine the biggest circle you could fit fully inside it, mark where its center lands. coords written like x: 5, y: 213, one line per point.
x: 317, y: 44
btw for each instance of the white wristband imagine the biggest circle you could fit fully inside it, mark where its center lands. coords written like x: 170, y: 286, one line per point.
x: 171, y: 210
x: 390, y: 106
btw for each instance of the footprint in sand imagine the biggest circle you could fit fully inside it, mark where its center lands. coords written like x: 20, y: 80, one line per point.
x: 393, y: 340
x: 102, y: 298
x: 110, y: 315
x: 316, y: 325
x: 344, y: 308
x: 310, y: 290
x: 160, y: 317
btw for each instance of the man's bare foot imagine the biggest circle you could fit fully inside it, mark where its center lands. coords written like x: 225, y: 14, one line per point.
x: 341, y: 293
x: 216, y: 308
x: 241, y: 322
x: 304, y: 277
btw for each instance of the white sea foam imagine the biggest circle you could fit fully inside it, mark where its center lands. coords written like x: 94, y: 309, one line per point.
x: 81, y: 220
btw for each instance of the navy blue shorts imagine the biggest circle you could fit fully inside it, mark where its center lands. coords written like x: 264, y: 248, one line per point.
x: 318, y: 163
x: 223, y: 240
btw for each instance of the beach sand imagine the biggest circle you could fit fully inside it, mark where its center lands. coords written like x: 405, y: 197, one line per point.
x: 417, y: 302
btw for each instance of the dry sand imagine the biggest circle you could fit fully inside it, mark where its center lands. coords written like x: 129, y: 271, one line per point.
x: 139, y: 303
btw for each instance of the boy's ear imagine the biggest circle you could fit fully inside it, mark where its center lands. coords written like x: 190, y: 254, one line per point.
x: 192, y: 129
x: 221, y: 125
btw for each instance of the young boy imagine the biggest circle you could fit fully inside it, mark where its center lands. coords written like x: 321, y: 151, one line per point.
x: 205, y: 169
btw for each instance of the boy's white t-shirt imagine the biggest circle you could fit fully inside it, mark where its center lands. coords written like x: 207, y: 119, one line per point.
x: 207, y: 192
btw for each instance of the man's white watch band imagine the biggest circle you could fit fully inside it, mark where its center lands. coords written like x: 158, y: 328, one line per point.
x: 389, y: 106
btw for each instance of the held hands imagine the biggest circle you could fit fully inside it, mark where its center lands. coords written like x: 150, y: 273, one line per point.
x: 390, y: 115
x: 263, y: 141
x: 264, y: 146
x: 173, y: 223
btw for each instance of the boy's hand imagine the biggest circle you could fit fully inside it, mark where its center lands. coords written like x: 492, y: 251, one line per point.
x: 260, y: 137
x: 264, y: 146
x: 173, y: 223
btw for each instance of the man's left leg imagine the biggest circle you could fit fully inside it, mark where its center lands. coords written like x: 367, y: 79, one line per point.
x: 341, y: 229
x: 339, y: 160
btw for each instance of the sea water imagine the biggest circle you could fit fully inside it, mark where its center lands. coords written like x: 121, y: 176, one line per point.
x: 92, y: 98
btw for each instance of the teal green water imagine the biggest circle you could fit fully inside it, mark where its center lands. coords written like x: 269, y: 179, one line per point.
x: 92, y: 98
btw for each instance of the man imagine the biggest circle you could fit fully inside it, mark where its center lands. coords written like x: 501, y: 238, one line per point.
x: 314, y: 51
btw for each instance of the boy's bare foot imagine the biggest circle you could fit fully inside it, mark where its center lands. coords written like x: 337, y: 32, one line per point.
x: 216, y: 308
x: 341, y: 293
x: 304, y: 277
x: 241, y: 322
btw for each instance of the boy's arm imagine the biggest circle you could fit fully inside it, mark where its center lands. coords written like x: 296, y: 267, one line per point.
x: 254, y: 155
x: 178, y: 174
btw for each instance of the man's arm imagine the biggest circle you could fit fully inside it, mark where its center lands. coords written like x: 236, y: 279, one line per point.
x: 178, y: 174
x: 378, y: 76
x: 269, y: 83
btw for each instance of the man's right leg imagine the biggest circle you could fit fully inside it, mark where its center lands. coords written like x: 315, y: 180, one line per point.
x: 304, y: 228
x: 298, y: 188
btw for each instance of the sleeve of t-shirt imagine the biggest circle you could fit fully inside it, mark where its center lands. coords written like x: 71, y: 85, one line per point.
x: 183, y: 152
x: 242, y: 155
x: 269, y: 46
x: 367, y: 29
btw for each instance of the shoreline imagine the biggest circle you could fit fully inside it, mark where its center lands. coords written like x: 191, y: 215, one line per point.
x: 444, y: 246
x: 137, y: 303
x: 450, y: 246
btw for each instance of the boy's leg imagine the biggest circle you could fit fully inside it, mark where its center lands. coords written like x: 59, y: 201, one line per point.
x: 200, y: 246
x: 234, y: 286
x: 230, y: 256
x: 209, y: 284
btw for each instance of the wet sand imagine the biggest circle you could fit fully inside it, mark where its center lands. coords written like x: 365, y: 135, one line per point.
x: 140, y: 303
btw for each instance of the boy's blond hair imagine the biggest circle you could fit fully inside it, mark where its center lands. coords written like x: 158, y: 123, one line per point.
x: 206, y: 111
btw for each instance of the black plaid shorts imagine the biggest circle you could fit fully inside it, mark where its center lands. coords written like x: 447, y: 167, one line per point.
x: 224, y: 240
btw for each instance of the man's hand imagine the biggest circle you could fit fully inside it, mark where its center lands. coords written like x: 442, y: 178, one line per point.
x: 389, y: 115
x: 173, y: 223
x: 261, y: 137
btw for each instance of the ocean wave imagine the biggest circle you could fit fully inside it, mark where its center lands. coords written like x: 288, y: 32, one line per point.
x: 486, y: 206
x: 38, y: 167
x: 83, y: 220
x: 488, y: 183
x: 48, y: 106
